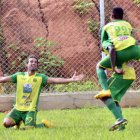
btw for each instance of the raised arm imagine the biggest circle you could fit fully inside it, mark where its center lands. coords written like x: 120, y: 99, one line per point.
x: 5, y: 79
x: 74, y: 78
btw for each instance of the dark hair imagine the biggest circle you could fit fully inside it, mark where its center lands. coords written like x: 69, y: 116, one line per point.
x: 32, y: 56
x: 117, y: 13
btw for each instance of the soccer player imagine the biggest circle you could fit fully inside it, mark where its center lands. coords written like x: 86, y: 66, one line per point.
x: 29, y: 85
x: 118, y: 85
x: 117, y: 39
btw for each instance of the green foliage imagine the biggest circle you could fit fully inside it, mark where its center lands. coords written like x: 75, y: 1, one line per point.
x: 48, y: 63
x: 92, y: 26
x: 137, y: 2
x: 83, y: 7
x: 76, y: 86
x: 19, y: 60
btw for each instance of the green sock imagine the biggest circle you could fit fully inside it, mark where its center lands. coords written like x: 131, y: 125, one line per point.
x: 119, y: 109
x: 113, y: 108
x: 102, y: 78
x: 39, y: 125
x: 121, y: 128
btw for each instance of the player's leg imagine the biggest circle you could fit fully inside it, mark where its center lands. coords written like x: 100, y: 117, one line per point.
x: 17, y: 126
x: 127, y: 54
x: 12, y: 118
x: 8, y: 122
x: 100, y: 70
x: 111, y: 105
x: 120, y: 110
x: 139, y: 53
x: 30, y: 121
x: 44, y: 123
x: 118, y: 88
x: 102, y: 77
x: 120, y: 121
x: 118, y: 107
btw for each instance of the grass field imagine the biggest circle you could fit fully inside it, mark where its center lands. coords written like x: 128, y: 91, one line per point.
x: 89, y: 123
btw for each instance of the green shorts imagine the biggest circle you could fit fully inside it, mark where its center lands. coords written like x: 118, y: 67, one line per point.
x: 122, y: 56
x: 118, y: 87
x: 28, y: 117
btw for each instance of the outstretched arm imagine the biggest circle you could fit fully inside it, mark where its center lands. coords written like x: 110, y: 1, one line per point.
x: 5, y: 79
x: 74, y: 78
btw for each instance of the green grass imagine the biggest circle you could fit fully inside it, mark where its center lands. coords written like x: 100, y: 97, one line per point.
x: 89, y: 123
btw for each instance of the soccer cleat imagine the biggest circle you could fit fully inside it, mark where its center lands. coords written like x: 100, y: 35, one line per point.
x: 103, y: 93
x: 17, y: 126
x: 119, y: 123
x: 47, y: 124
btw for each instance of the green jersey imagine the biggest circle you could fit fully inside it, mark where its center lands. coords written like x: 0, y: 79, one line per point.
x: 28, y: 90
x: 117, y: 33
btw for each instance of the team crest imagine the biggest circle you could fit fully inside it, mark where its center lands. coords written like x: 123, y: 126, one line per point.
x: 34, y: 80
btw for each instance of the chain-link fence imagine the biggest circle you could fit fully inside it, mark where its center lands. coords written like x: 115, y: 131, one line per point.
x: 64, y: 34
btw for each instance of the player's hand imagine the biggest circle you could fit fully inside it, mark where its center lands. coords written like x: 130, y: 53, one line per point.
x: 77, y: 77
x: 119, y: 71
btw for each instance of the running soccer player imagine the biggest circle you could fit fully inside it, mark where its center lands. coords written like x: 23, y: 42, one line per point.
x: 117, y: 39
x: 29, y: 85
x: 118, y: 85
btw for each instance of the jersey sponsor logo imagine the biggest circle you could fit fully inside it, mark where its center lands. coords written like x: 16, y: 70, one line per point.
x: 24, y: 97
x: 27, y: 103
x: 122, y: 38
x: 27, y: 88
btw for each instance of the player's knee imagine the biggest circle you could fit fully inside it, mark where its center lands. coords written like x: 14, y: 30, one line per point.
x: 5, y: 124
x: 8, y: 123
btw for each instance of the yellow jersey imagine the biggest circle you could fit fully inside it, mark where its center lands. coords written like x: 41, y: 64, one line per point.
x: 28, y: 90
x: 119, y: 34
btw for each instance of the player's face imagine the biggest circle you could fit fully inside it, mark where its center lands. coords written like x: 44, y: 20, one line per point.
x: 32, y: 64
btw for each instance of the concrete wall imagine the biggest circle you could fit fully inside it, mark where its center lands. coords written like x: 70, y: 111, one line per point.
x: 71, y: 100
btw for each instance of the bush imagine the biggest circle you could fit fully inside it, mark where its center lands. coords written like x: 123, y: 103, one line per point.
x: 76, y: 86
x: 137, y: 1
x: 83, y: 7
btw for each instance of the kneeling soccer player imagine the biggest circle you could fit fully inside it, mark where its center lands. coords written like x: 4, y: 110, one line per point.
x: 29, y: 85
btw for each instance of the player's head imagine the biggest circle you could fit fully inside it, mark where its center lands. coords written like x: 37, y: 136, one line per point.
x: 117, y: 13
x: 32, y: 63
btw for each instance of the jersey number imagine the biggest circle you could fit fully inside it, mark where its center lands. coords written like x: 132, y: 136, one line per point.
x: 121, y: 31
